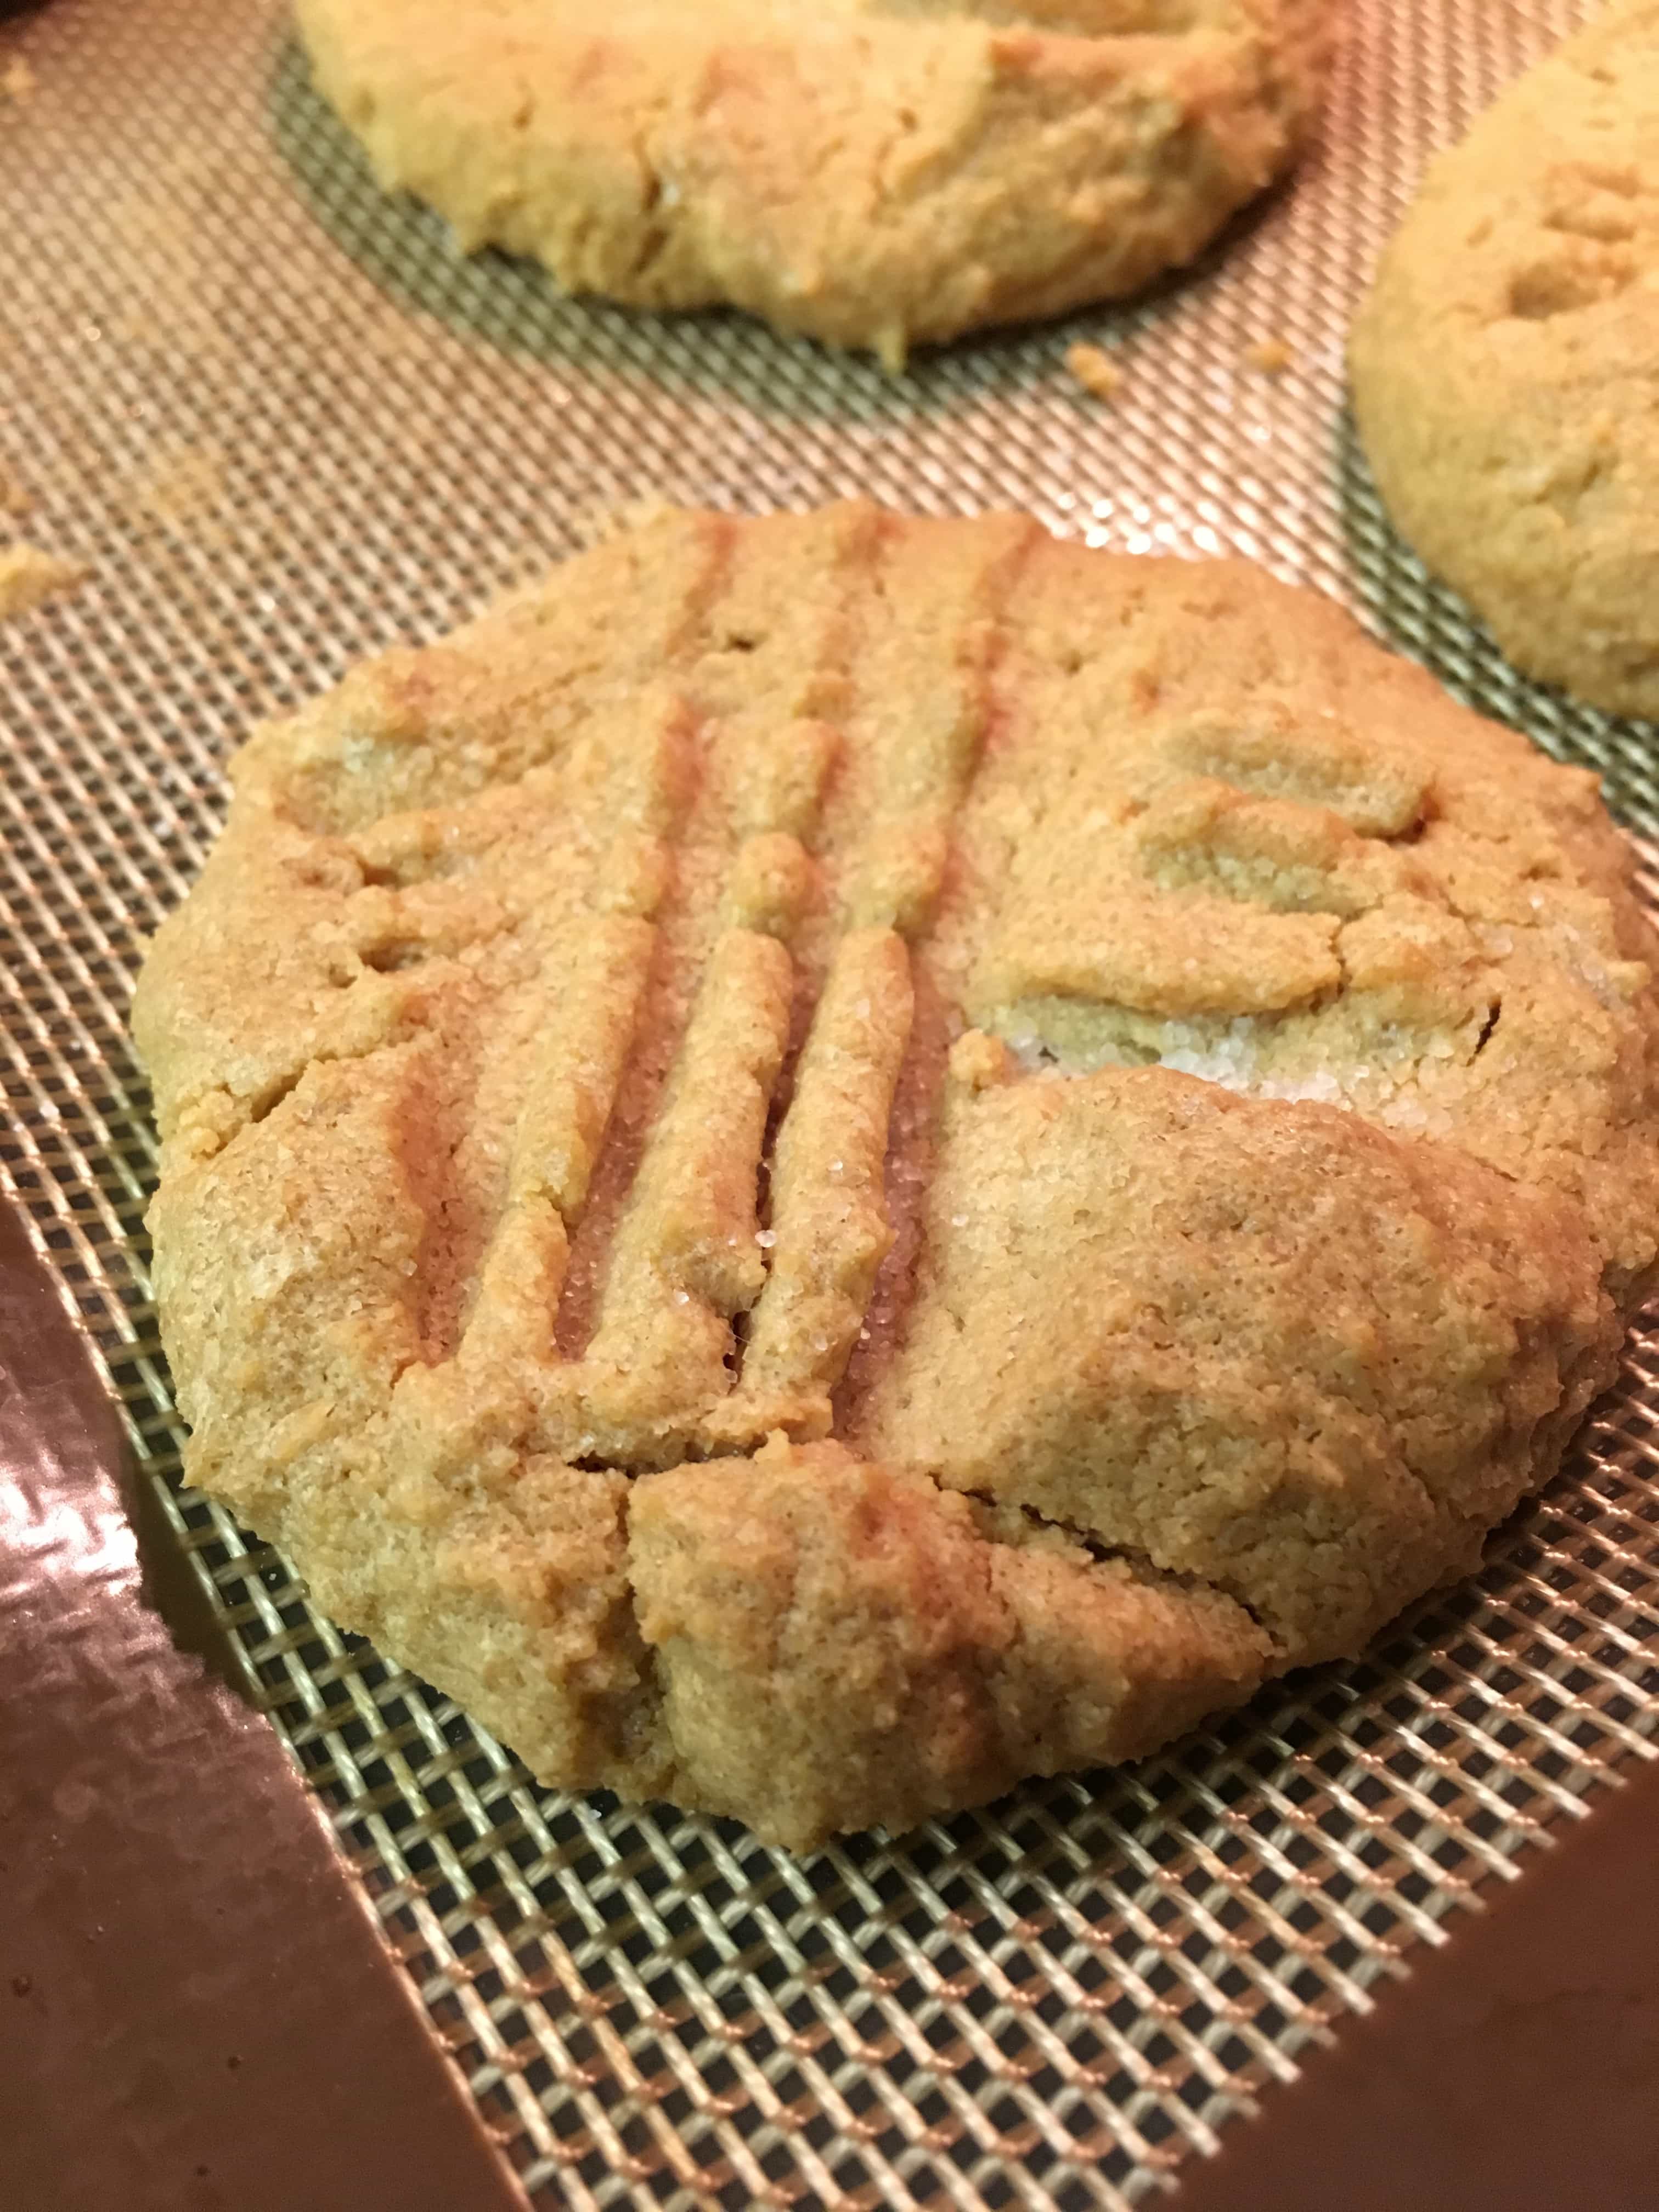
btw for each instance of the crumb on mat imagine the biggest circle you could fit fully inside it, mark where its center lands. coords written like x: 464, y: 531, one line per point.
x: 28, y: 577
x: 1270, y: 356
x: 1095, y: 370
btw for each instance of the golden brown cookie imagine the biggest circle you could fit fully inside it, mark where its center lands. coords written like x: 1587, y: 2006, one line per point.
x: 832, y: 1160
x: 876, y: 173
x: 1505, y: 366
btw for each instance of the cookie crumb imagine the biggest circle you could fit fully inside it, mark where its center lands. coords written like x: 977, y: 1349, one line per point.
x: 29, y: 577
x: 1095, y: 370
x: 17, y: 81
x: 978, y: 1060
x: 1272, y: 356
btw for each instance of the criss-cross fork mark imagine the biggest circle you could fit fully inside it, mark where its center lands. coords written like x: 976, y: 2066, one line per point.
x: 659, y: 940
x: 657, y: 995
x: 608, y: 1235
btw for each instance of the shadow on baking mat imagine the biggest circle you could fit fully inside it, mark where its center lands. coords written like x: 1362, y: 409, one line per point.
x: 511, y: 304
x: 1425, y: 618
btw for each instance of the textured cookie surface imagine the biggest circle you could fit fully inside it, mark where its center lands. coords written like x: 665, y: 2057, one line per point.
x: 871, y: 172
x: 835, y: 1159
x: 1505, y: 366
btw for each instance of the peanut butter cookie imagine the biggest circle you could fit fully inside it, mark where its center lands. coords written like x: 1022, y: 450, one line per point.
x: 875, y: 172
x: 1505, y: 366
x: 834, y: 1160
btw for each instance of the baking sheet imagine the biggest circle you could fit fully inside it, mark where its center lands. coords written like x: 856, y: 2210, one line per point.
x: 284, y: 425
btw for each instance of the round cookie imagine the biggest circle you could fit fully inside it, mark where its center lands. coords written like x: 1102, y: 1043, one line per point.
x: 835, y: 1159
x: 1505, y: 366
x: 874, y: 173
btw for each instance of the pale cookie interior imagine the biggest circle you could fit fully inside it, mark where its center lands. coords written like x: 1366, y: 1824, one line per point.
x: 833, y: 1160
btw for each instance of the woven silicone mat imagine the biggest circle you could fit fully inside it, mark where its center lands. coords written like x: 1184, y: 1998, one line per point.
x: 282, y: 424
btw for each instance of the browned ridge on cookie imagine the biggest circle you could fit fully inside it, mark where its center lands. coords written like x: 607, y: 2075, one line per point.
x: 831, y: 1160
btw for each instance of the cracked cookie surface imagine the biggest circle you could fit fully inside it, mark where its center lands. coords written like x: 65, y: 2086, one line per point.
x: 836, y: 1159
x: 873, y: 173
x: 1505, y: 366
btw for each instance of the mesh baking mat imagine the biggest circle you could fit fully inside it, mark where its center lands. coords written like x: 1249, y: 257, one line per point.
x: 282, y: 425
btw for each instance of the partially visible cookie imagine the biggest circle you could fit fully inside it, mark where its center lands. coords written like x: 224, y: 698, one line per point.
x: 1505, y: 366
x: 832, y: 1160
x: 874, y: 173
